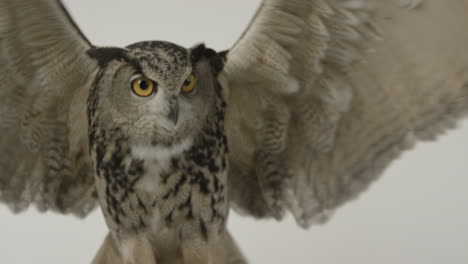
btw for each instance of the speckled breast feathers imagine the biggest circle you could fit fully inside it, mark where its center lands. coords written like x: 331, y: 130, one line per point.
x: 177, y: 180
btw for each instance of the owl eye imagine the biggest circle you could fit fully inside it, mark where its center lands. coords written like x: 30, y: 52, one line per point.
x: 189, y: 84
x: 143, y: 86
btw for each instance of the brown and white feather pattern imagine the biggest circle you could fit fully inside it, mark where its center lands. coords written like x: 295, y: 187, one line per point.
x: 44, y: 74
x: 324, y: 94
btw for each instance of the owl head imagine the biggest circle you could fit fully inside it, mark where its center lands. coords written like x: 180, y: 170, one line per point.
x: 155, y: 94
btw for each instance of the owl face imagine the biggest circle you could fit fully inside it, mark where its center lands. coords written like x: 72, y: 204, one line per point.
x: 156, y: 93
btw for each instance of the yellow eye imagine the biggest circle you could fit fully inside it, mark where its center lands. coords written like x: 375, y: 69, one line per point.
x: 189, y: 84
x: 143, y: 86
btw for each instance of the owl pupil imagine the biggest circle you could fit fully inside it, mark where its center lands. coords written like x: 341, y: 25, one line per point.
x: 144, y: 85
x: 187, y: 82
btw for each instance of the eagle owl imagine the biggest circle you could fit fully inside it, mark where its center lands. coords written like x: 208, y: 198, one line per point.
x: 307, y: 108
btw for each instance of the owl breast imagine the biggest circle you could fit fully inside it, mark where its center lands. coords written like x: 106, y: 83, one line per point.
x: 171, y: 198
x: 169, y: 191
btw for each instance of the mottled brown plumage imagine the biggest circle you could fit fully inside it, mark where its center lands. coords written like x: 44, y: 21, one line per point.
x: 162, y: 183
x: 343, y: 88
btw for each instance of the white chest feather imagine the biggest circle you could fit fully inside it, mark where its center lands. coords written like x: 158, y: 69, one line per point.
x: 158, y: 162
x: 159, y: 152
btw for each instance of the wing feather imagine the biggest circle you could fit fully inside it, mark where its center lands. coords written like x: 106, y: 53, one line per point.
x: 44, y: 81
x: 319, y: 105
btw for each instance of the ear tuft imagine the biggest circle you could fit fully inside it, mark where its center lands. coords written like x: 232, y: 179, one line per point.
x: 217, y: 60
x: 106, y: 54
x: 197, y: 53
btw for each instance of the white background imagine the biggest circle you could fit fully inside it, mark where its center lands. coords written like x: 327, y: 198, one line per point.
x: 417, y: 212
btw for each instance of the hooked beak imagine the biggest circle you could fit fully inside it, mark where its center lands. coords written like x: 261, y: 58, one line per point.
x: 173, y: 114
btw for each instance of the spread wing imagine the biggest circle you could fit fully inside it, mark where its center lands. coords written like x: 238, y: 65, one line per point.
x: 44, y: 72
x: 324, y: 94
